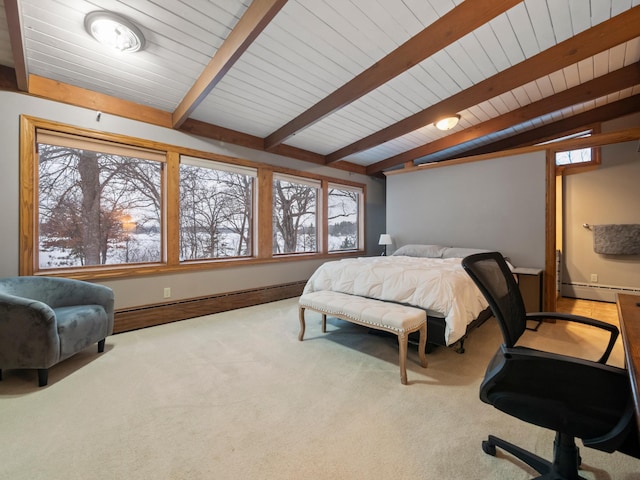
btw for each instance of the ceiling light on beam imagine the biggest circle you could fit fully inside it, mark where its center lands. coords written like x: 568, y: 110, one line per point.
x: 447, y: 123
x: 114, y: 31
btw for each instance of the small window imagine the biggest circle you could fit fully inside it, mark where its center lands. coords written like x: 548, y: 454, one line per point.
x: 573, y: 157
x: 343, y: 217
x: 216, y: 209
x: 99, y: 203
x: 295, y: 214
x: 579, y: 157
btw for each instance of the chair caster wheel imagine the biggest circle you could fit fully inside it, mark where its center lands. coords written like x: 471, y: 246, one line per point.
x: 488, y: 448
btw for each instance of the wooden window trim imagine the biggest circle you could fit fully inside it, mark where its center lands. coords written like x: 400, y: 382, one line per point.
x: 584, y: 166
x: 28, y: 213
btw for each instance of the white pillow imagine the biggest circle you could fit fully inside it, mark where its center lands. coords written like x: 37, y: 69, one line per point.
x: 457, y: 252
x: 430, y: 251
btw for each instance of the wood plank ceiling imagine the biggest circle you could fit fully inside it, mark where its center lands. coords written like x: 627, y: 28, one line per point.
x: 355, y: 84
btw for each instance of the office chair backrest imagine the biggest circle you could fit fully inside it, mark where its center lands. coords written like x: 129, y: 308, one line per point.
x: 493, y: 277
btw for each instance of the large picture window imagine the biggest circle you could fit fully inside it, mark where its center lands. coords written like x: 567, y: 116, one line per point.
x: 98, y: 203
x: 295, y: 214
x: 216, y: 209
x: 343, y: 217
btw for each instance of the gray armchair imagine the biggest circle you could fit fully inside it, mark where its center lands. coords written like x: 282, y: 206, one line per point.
x: 44, y: 320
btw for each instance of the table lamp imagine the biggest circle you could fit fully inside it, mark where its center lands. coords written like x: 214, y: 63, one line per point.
x: 385, y: 239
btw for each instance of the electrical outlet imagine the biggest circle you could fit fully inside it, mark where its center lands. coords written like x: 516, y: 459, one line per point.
x: 594, y: 278
x: 167, y: 292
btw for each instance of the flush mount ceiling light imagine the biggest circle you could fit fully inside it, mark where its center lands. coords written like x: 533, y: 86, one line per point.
x: 114, y: 31
x: 448, y: 123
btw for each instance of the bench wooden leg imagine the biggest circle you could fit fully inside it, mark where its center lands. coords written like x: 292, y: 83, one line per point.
x: 403, y: 340
x: 324, y: 323
x: 301, y: 316
x: 422, y: 344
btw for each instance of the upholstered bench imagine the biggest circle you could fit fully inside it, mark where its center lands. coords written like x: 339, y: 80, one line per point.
x: 398, y: 319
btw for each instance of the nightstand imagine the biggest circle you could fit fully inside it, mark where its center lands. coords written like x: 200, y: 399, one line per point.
x: 530, y: 284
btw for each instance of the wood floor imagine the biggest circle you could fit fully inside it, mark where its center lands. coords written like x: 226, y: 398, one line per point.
x: 607, y: 312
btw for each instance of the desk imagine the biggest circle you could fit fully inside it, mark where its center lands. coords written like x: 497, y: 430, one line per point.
x: 629, y: 314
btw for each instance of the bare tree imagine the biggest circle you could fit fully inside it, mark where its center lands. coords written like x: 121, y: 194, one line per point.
x: 343, y: 205
x: 213, y: 205
x: 84, y: 194
x: 294, y: 206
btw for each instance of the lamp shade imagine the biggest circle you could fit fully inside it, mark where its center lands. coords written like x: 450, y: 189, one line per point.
x: 385, y: 239
x: 447, y: 123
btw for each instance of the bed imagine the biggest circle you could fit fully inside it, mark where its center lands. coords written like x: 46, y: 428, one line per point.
x: 426, y: 276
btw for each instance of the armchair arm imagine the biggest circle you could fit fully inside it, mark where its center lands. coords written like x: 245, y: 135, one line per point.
x: 63, y: 292
x: 612, y: 329
x: 28, y: 333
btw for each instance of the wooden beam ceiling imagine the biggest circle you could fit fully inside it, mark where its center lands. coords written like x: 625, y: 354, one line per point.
x: 597, y: 115
x: 203, y: 129
x: 72, y: 95
x: 457, y: 23
x: 8, y: 78
x: 606, y: 35
x: 17, y: 48
x: 612, y: 82
x: 250, y: 25
x: 595, y: 140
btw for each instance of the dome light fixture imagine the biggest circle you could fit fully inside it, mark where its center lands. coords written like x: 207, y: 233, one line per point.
x: 447, y: 123
x: 114, y: 31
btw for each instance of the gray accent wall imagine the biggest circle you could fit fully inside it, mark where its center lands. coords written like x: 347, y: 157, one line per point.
x: 496, y: 204
x: 146, y: 290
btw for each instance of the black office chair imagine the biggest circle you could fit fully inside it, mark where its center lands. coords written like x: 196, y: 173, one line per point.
x: 576, y: 398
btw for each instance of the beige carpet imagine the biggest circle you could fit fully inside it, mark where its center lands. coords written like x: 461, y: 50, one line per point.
x: 236, y: 396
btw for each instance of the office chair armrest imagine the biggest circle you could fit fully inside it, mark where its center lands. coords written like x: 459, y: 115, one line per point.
x: 612, y: 329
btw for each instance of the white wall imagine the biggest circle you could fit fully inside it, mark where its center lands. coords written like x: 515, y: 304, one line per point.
x: 148, y: 290
x: 497, y: 204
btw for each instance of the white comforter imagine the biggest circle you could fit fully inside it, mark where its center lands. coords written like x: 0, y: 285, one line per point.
x: 438, y: 285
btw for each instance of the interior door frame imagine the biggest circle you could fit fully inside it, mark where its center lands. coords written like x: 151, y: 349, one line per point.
x: 549, y: 300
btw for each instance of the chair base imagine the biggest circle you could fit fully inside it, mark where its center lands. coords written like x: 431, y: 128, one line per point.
x: 565, y: 463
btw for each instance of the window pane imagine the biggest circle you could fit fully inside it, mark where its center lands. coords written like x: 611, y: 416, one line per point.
x: 216, y: 212
x: 294, y: 217
x: 343, y: 219
x: 573, y: 156
x: 97, y: 208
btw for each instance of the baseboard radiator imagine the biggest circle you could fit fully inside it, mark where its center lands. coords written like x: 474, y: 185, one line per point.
x: 150, y: 315
x: 590, y: 291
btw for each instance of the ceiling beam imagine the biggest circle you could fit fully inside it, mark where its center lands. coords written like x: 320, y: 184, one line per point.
x: 81, y: 97
x: 250, y: 25
x: 594, y: 140
x: 12, y: 13
x: 607, y: 112
x: 617, y: 80
x: 455, y: 24
x: 8, y: 78
x: 221, y: 134
x: 608, y: 34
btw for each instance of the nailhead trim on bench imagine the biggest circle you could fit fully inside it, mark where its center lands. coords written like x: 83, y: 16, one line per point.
x: 411, y: 319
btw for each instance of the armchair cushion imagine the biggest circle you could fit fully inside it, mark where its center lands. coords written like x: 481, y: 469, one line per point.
x: 78, y: 325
